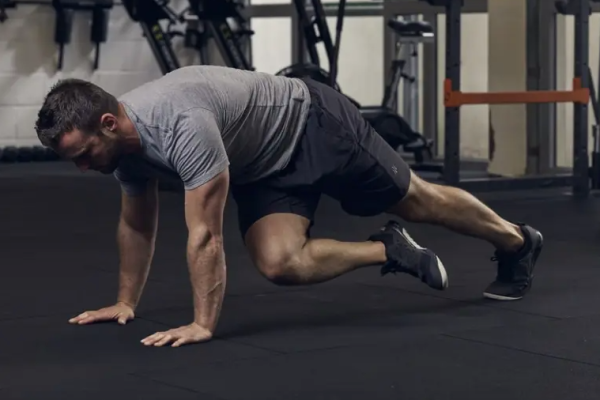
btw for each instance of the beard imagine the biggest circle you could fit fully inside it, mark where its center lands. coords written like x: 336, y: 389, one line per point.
x: 110, y: 167
x: 111, y: 164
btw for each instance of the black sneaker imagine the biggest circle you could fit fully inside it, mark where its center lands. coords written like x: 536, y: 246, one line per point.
x: 405, y: 255
x: 515, y: 270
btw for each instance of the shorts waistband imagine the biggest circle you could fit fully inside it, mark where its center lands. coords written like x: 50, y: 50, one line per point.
x: 314, y: 89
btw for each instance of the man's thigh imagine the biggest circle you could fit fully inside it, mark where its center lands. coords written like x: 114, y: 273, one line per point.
x: 256, y: 201
x: 376, y: 179
x: 355, y: 164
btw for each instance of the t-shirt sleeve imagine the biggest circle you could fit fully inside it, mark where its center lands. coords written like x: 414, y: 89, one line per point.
x: 196, y: 150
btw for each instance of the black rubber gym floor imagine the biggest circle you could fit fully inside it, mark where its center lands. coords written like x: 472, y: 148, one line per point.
x: 358, y: 337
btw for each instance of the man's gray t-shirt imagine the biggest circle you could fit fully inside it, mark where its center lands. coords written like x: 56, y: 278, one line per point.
x: 196, y: 121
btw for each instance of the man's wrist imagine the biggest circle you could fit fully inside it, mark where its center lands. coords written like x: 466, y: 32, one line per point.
x: 207, y: 274
x: 206, y: 321
x: 129, y: 304
x: 208, y: 331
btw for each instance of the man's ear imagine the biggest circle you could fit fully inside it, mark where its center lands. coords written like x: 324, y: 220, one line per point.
x: 108, y: 121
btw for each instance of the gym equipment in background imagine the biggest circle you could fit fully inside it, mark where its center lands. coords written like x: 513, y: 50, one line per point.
x: 384, y: 118
x: 4, y: 4
x: 149, y: 16
x: 228, y: 27
x: 578, y: 178
x: 570, y: 7
x: 563, y: 6
x: 13, y: 154
x: 64, y: 13
x: 595, y: 167
x: 220, y: 20
x: 315, y: 31
x: 65, y: 10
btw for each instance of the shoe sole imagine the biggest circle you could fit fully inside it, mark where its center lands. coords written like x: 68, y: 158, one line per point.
x: 492, y: 296
x: 442, y: 271
x: 438, y: 263
x: 536, y: 254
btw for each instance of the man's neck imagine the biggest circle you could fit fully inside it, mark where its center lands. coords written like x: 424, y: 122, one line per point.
x: 130, y: 137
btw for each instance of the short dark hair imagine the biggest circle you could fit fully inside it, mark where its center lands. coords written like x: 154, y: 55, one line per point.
x: 73, y: 104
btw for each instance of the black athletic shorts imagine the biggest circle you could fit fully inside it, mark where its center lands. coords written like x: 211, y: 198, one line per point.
x: 339, y: 155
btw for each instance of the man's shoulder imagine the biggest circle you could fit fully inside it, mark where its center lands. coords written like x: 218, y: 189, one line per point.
x: 162, y: 105
x: 142, y: 103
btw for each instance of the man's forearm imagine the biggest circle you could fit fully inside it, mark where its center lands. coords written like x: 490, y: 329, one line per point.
x: 206, y: 262
x: 136, y: 248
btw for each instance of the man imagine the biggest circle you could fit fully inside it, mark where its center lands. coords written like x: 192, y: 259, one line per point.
x: 279, y: 143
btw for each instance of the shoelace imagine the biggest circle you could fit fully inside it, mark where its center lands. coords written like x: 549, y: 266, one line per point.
x: 394, y: 267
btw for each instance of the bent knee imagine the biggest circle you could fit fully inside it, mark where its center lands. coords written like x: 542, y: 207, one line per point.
x: 281, y: 267
x: 275, y: 244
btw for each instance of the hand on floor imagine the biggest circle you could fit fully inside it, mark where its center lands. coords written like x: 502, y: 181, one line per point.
x: 120, y: 312
x: 192, y: 333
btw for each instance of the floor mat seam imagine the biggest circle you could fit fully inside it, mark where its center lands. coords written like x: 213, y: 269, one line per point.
x: 531, y: 352
x: 171, y: 385
x: 471, y: 302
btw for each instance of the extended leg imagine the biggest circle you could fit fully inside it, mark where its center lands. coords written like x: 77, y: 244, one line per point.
x: 517, y: 246
x: 459, y: 211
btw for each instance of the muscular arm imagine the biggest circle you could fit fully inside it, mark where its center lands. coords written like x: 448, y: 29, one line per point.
x: 136, y: 235
x: 206, y: 259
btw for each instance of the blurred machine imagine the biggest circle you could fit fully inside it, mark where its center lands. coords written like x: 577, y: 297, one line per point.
x: 384, y: 117
x: 218, y: 20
